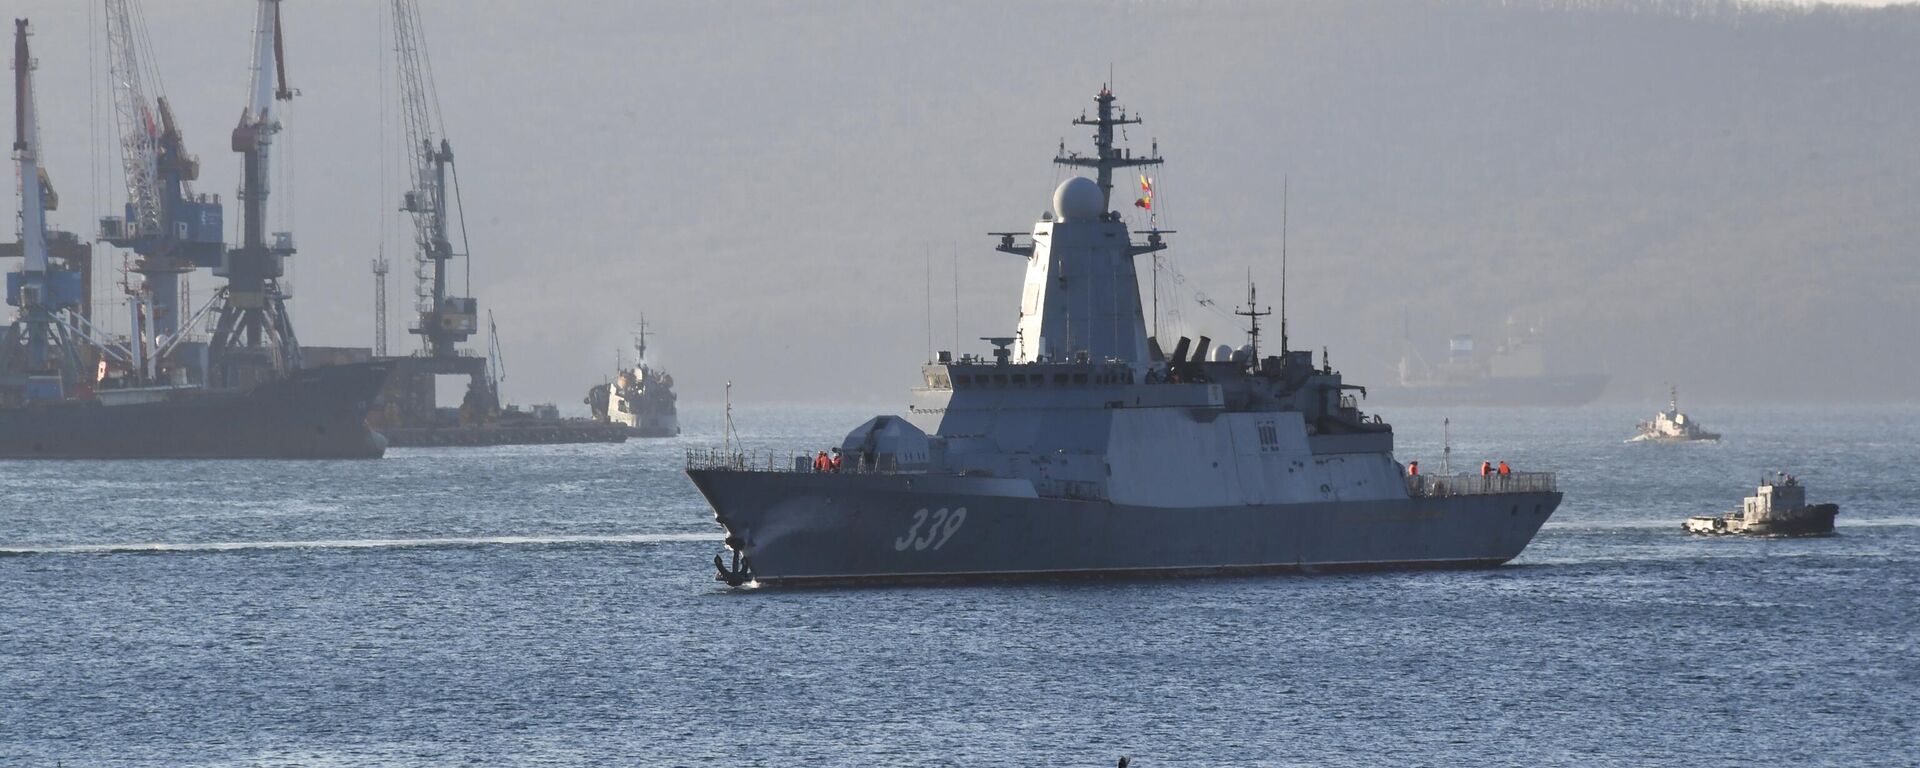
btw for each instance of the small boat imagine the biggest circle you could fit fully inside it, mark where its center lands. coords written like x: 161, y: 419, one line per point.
x: 1672, y: 426
x: 1780, y: 508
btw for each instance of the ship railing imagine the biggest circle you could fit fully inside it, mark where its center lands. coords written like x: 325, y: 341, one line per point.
x: 740, y: 460
x: 775, y: 460
x: 1433, y: 486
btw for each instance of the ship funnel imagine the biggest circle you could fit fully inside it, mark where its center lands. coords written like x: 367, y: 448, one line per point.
x: 1200, y: 353
x: 1180, y: 350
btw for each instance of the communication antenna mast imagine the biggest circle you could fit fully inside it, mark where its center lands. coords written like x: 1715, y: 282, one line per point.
x: 1106, y: 157
x: 380, y: 270
x: 1285, y: 183
x: 1253, y: 314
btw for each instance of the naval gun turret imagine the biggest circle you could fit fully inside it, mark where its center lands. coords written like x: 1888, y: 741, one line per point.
x: 1078, y: 449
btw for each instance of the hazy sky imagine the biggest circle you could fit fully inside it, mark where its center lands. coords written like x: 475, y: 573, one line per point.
x: 1708, y: 194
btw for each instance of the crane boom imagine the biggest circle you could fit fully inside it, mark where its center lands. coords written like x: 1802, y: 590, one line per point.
x: 134, y: 116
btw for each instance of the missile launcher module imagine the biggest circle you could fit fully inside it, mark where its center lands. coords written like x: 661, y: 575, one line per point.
x: 1079, y: 449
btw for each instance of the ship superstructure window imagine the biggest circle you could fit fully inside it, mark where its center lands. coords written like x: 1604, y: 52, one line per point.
x: 1000, y: 379
x: 1059, y: 379
x: 1079, y: 378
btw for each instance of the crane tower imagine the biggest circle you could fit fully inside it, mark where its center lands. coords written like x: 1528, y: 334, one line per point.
x: 253, y: 336
x: 444, y: 320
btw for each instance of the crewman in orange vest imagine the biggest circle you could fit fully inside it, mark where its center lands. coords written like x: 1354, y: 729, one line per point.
x: 820, y: 463
x: 1413, y: 469
x: 834, y: 463
x: 1486, y: 468
x: 1504, y: 470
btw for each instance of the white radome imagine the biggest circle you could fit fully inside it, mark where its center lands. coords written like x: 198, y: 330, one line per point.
x: 1078, y: 199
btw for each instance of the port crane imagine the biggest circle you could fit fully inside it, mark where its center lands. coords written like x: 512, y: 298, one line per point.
x: 41, y: 354
x: 253, y: 335
x: 444, y: 320
x: 171, y: 229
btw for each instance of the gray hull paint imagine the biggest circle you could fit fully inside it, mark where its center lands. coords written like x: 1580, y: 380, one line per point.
x: 805, y: 528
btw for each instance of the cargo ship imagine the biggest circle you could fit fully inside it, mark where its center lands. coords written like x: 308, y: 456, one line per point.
x: 1518, y: 372
x: 313, y: 413
x: 70, y: 389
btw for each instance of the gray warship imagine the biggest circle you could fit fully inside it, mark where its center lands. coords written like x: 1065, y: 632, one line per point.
x: 1080, y: 450
x: 1672, y: 426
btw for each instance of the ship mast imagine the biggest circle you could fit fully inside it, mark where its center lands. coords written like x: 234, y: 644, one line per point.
x: 1253, y: 314
x: 1106, y: 157
x: 1082, y: 294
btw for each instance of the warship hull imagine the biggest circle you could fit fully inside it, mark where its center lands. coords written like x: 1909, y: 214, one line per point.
x: 1533, y: 391
x: 315, y: 413
x: 802, y: 528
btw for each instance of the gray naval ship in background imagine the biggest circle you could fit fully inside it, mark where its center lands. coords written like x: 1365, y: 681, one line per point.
x: 1079, y: 450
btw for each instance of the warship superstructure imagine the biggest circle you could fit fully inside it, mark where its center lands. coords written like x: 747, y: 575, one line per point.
x: 1672, y: 426
x: 640, y: 397
x: 69, y: 389
x: 1079, y: 449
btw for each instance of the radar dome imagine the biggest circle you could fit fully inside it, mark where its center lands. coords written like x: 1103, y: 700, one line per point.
x: 1078, y: 199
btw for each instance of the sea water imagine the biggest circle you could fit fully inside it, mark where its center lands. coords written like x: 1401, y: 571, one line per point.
x: 555, y: 605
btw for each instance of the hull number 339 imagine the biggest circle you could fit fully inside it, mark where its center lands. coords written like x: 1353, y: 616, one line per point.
x: 931, y: 529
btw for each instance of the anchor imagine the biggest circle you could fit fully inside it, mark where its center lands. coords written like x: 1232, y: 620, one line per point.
x: 741, y: 572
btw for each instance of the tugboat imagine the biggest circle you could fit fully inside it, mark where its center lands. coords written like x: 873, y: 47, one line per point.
x: 1780, y: 508
x: 1079, y: 450
x: 641, y: 398
x: 1672, y: 426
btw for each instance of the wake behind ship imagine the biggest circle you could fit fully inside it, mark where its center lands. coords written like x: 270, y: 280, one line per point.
x: 1079, y: 449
